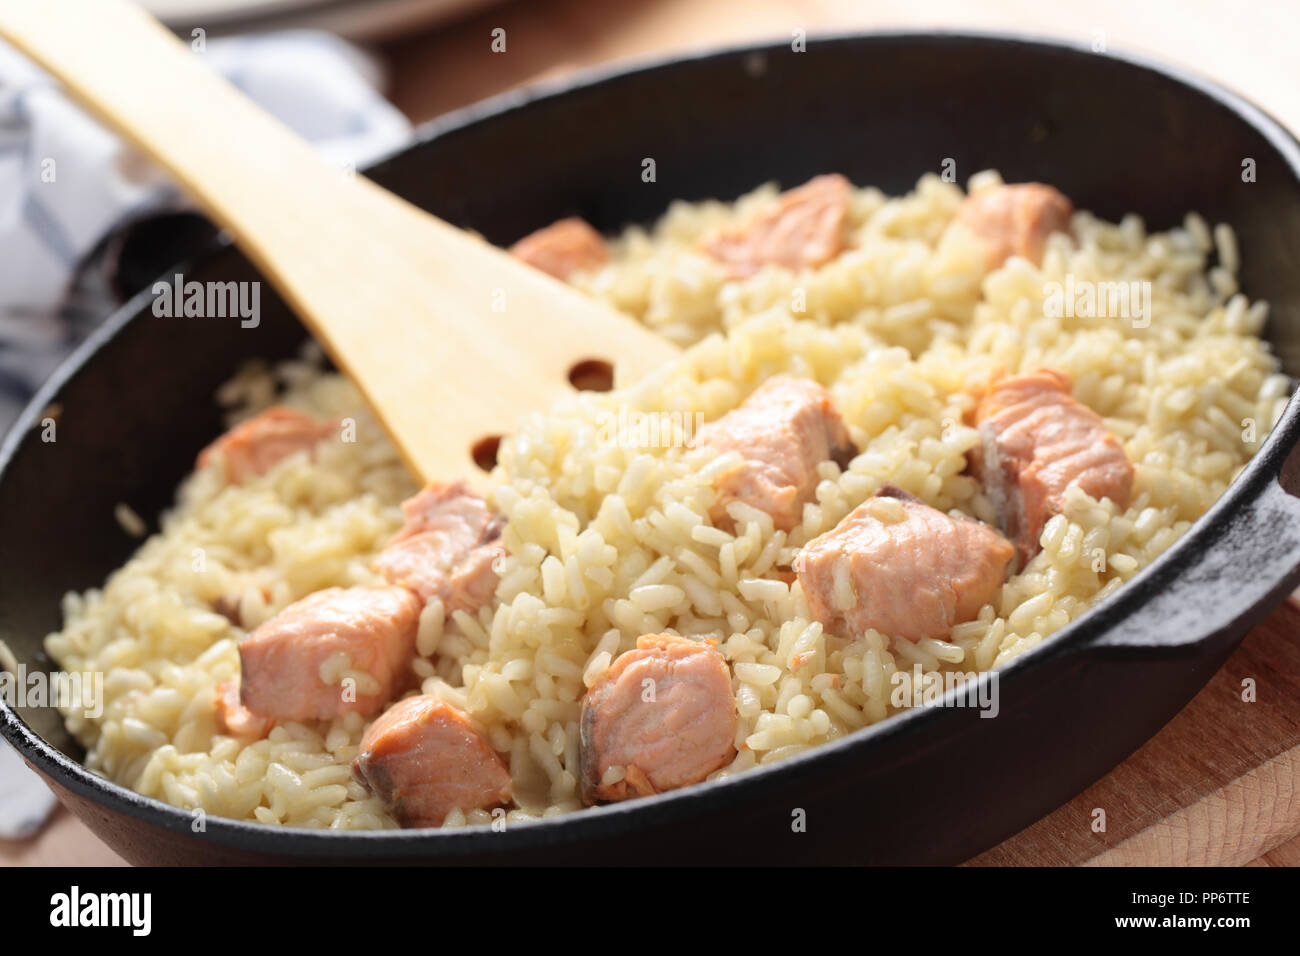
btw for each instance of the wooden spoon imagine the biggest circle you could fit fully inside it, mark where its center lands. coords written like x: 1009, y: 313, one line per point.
x: 448, y: 337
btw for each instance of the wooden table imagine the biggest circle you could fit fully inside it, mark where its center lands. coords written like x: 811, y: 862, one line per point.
x: 1210, y: 788
x: 1249, y: 48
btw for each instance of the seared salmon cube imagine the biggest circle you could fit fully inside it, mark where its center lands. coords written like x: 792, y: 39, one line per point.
x: 337, y: 651
x: 446, y: 549
x: 662, y: 716
x: 424, y: 758
x: 782, y: 432
x: 234, y: 718
x: 902, y: 568
x: 473, y: 581
x: 804, y: 230
x: 1016, y: 219
x: 1035, y: 441
x: 563, y: 248
x: 257, y: 445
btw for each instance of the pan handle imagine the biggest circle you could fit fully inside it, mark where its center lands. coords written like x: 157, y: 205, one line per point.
x: 1230, y: 572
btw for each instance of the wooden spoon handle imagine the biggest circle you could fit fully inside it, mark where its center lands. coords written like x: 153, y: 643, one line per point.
x: 448, y: 337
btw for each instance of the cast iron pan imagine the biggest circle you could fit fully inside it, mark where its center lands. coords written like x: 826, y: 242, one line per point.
x: 935, y: 785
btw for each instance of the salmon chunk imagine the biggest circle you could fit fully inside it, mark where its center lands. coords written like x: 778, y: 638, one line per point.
x: 902, y: 568
x: 473, y: 582
x: 256, y: 446
x: 663, y: 716
x: 804, y: 230
x: 782, y: 432
x: 234, y: 718
x: 563, y: 248
x: 295, y: 665
x: 446, y: 548
x: 424, y: 758
x: 1015, y: 220
x: 1036, y: 441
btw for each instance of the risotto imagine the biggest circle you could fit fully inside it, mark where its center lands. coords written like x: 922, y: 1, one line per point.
x: 609, y: 526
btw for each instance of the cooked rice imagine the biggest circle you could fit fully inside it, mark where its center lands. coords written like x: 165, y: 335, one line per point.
x: 608, y: 540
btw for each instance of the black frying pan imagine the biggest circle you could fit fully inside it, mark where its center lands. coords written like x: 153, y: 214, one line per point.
x: 933, y: 785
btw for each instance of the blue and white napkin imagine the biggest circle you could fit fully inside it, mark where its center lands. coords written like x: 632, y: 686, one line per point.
x: 326, y: 89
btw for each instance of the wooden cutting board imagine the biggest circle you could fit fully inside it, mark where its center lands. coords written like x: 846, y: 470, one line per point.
x: 1219, y: 786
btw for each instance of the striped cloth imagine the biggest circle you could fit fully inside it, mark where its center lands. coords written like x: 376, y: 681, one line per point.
x: 66, y: 183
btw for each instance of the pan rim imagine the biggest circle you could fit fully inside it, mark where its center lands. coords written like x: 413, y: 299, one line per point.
x: 611, y: 820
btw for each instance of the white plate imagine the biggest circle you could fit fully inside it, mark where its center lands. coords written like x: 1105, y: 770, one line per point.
x: 359, y: 19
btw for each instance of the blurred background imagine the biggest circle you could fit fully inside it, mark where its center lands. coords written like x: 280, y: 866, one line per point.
x: 439, y: 55
x: 355, y: 75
